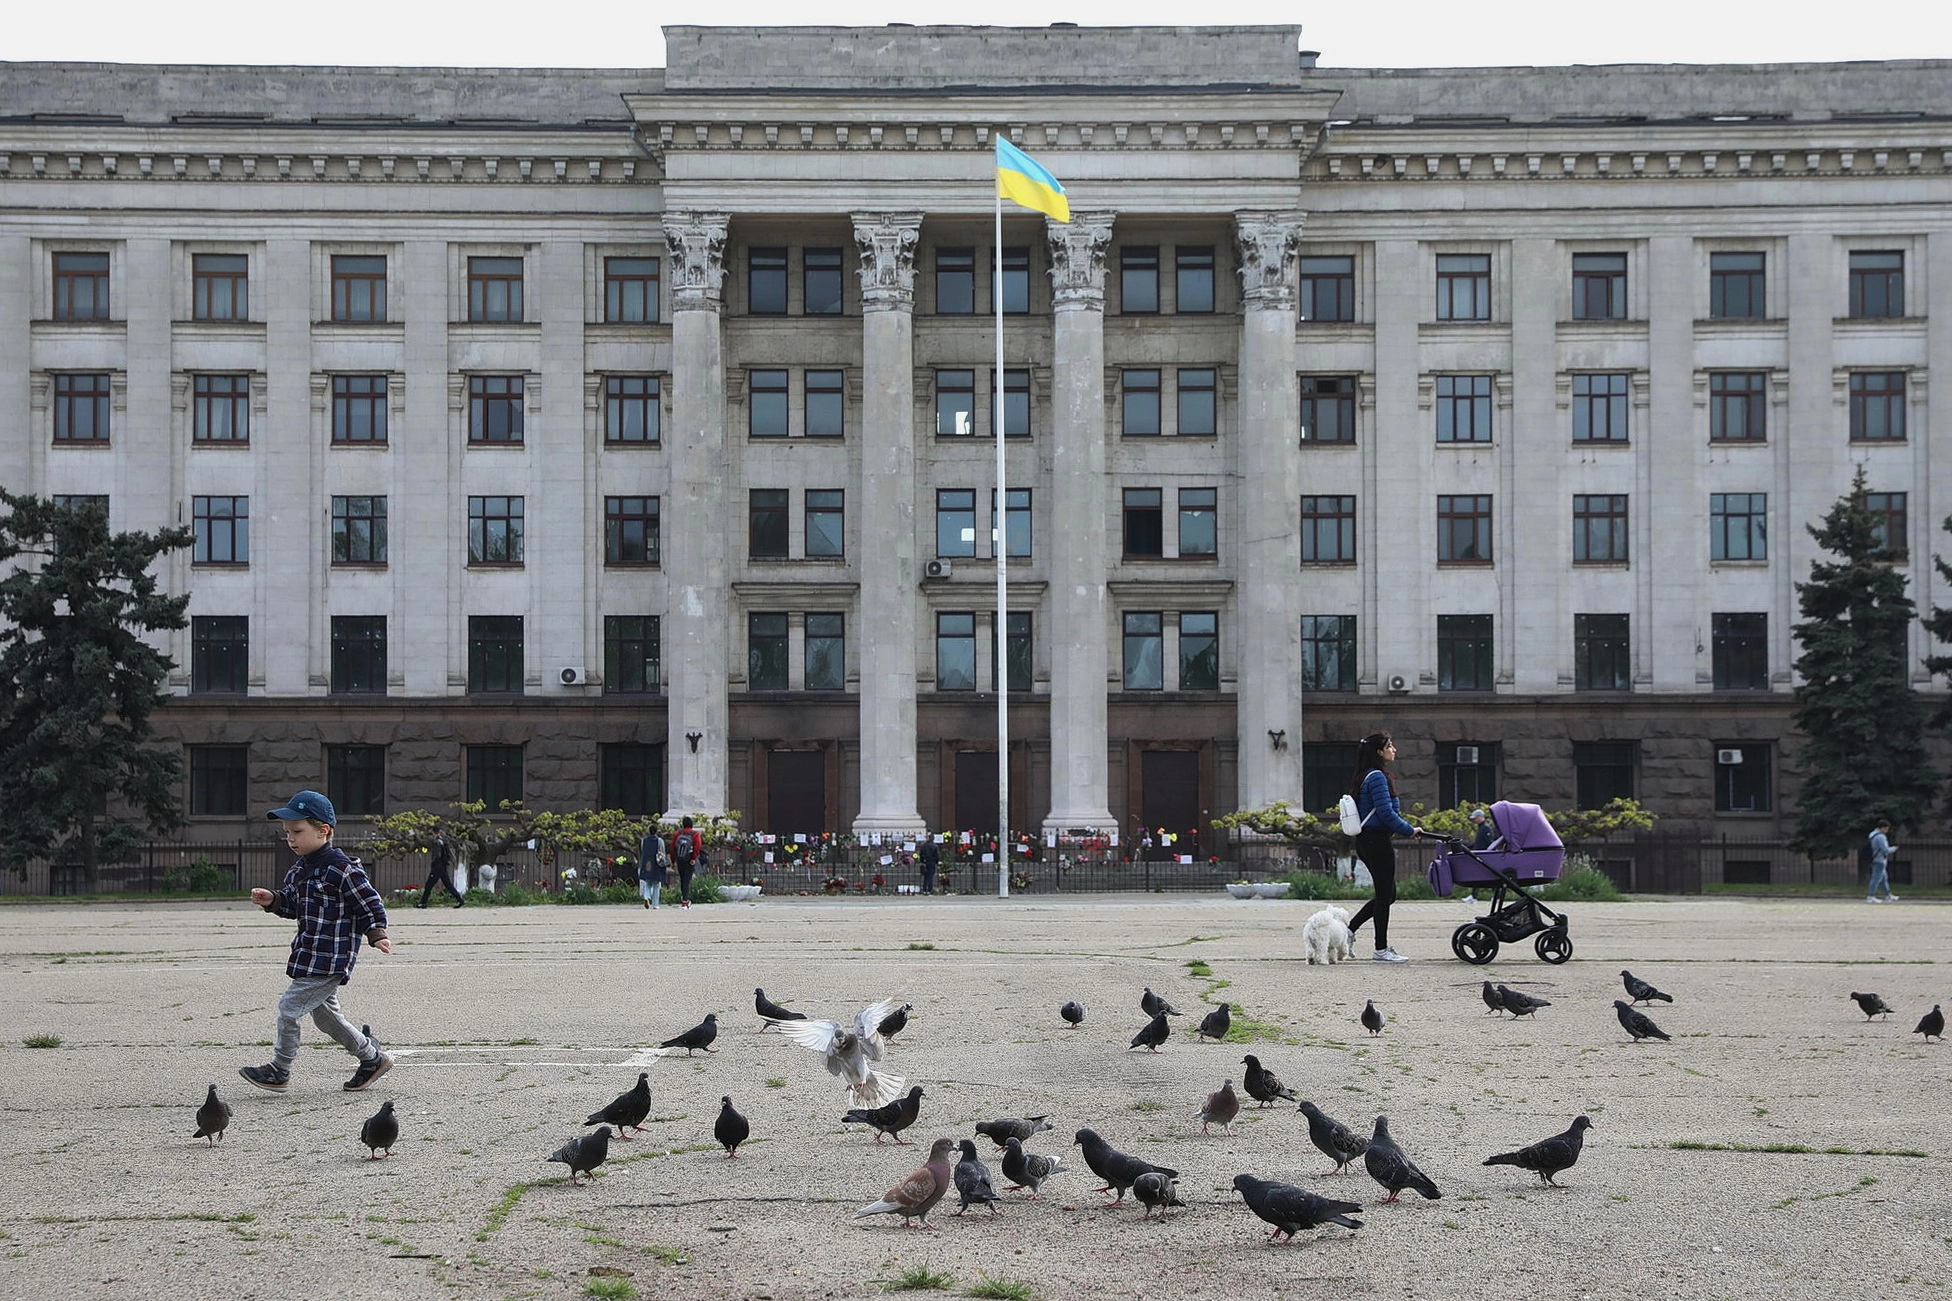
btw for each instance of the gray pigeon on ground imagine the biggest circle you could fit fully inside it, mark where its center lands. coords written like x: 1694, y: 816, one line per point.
x: 1262, y: 1084
x: 583, y: 1154
x: 1637, y: 1023
x: 915, y: 1196
x: 1389, y: 1167
x: 1290, y: 1209
x: 1113, y: 1166
x: 1215, y: 1024
x: 213, y: 1118
x: 1639, y: 991
x: 1156, y: 1032
x: 1931, y: 1025
x: 847, y: 1050
x: 628, y: 1110
x: 1520, y: 1004
x: 1332, y: 1138
x: 1027, y: 1170
x: 1372, y: 1020
x: 1004, y: 1128
x: 1873, y: 1005
x: 1220, y: 1108
x: 1548, y: 1156
x: 381, y: 1130
x: 1152, y: 1005
x: 699, y: 1036
x: 891, y: 1120
x: 1491, y: 999
x: 771, y: 1013
x: 1073, y: 1013
x: 1156, y: 1190
x: 895, y: 1022
x: 730, y: 1129
x: 972, y: 1180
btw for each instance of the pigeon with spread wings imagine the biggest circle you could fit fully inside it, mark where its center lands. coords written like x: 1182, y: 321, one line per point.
x: 847, y: 1051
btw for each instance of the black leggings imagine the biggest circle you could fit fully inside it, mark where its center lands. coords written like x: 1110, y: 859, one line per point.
x: 1378, y: 853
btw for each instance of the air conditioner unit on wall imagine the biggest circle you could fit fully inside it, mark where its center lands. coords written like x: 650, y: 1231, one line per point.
x: 937, y: 569
x: 573, y: 676
x: 1728, y: 756
x: 1399, y: 685
x: 1467, y: 755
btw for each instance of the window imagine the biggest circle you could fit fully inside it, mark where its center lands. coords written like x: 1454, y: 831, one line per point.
x: 220, y: 654
x: 494, y: 775
x: 1199, y: 651
x: 955, y: 281
x: 1602, y: 659
x: 1464, y: 652
x: 955, y: 403
x: 495, y: 530
x: 359, y: 530
x: 355, y: 779
x: 1328, y: 408
x: 1599, y: 286
x: 630, y: 288
x: 494, y: 653
x: 766, y: 652
x: 1740, y: 651
x: 1016, y: 280
x: 1599, y: 408
x: 1889, y: 524
x: 1198, y: 413
x: 1328, y: 530
x: 767, y: 403
x: 222, y: 530
x: 1325, y: 768
x: 1193, y: 278
x: 631, y: 778
x: 1463, y: 286
x: 1737, y: 406
x: 358, y: 654
x: 633, y: 410
x: 825, y: 657
x: 1016, y: 521
x: 633, y: 652
x: 1017, y: 643
x: 826, y: 404
x: 955, y: 651
x: 766, y: 523
x: 82, y: 501
x: 826, y: 522
x: 766, y: 282
x: 1877, y: 284
x: 1328, y: 655
x: 821, y: 281
x: 1467, y: 772
x: 495, y: 404
x: 1599, y: 529
x: 219, y: 780
x: 359, y: 408
x: 1199, y: 530
x: 220, y: 408
x: 1145, y: 651
x: 358, y: 288
x: 1463, y: 408
x: 1742, y: 782
x: 1145, y: 525
x: 631, y: 531
x: 1737, y: 285
x: 81, y: 408
x: 955, y: 522
x: 1016, y: 403
x: 1139, y: 394
x: 220, y: 286
x: 81, y: 286
x: 1138, y: 279
x: 1603, y: 772
x: 1328, y: 288
x: 1738, y: 526
x: 1877, y: 406
x: 494, y: 289
x: 1464, y: 530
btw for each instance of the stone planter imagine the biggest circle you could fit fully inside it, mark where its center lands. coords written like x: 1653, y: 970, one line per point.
x: 738, y: 893
x: 1242, y: 890
x: 1258, y: 889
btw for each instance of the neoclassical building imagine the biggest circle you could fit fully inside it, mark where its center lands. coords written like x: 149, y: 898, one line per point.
x: 626, y: 436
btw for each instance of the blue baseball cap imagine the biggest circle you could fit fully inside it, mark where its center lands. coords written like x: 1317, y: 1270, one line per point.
x: 307, y: 804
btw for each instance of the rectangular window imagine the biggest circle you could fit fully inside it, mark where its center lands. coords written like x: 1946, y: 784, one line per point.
x: 1877, y: 283
x: 495, y: 530
x: 631, y: 778
x: 1464, y: 652
x: 1325, y: 767
x: 1877, y: 406
x: 826, y: 404
x: 1138, y: 279
x: 766, y: 281
x: 1016, y: 403
x: 821, y: 281
x: 1018, y: 650
x: 1738, y: 526
x: 1328, y: 288
x: 1199, y: 651
x: 494, y: 653
x: 955, y: 281
x: 1199, y: 522
x: 1139, y: 395
x: 83, y: 501
x: 1599, y: 286
x: 220, y: 286
x: 1890, y: 526
x: 222, y: 529
x: 219, y: 780
x: 1328, y: 408
x: 1738, y: 406
x: 359, y: 408
x: 81, y: 408
x: 1601, y: 656
x: 633, y: 652
x: 1328, y: 530
x: 1599, y: 408
x: 1738, y: 286
x: 632, y: 533
x: 81, y: 286
x: 358, y: 288
x: 359, y: 530
x: 955, y: 403
x: 633, y: 409
x: 494, y: 775
x: 1740, y: 651
x: 1145, y: 651
x: 1463, y: 286
x: 355, y: 779
x: 220, y: 654
x: 1742, y: 782
x: 1198, y: 410
x: 766, y: 652
x: 1328, y: 655
x: 1016, y: 523
x: 358, y: 654
x: 1463, y: 408
x: 826, y: 523
x: 825, y: 658
x: 1599, y: 528
x: 1464, y: 530
x: 494, y: 289
x: 1467, y: 772
x: 767, y: 532
x: 495, y: 408
x: 1193, y: 278
x: 1603, y: 771
x: 220, y: 408
x: 955, y: 522
x: 1016, y: 280
x: 768, y: 399
x: 1145, y: 524
x: 630, y: 290
x: 955, y: 651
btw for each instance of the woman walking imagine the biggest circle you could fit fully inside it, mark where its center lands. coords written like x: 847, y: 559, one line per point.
x: 1375, y: 790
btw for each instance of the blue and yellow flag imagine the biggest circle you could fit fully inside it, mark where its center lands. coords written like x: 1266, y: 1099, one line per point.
x: 1022, y: 180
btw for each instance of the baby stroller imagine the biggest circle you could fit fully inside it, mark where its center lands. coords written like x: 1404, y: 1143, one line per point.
x: 1526, y: 852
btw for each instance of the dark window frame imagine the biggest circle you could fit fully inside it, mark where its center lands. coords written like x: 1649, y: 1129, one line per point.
x: 358, y: 654
x: 769, y: 523
x: 1141, y: 402
x: 633, y: 654
x: 76, y: 392
x: 1602, y: 652
x: 220, y: 409
x: 220, y: 654
x: 1203, y: 423
x: 1138, y: 280
x: 495, y: 775
x: 1599, y: 286
x: 72, y: 270
x: 827, y: 417
x: 632, y: 289
x: 1199, y: 666
x: 1017, y: 523
x: 1892, y: 512
x: 1738, y: 526
x: 1739, y: 651
x: 769, y: 638
x: 823, y: 282
x: 358, y: 289
x: 1328, y: 393
x: 1328, y: 518
x: 358, y: 529
x: 1205, y: 518
x: 1464, y: 525
x: 630, y: 777
x: 1143, y: 516
x: 1877, y: 406
x: 1604, y: 771
x: 1016, y: 280
x: 1602, y: 404
x: 495, y: 294
x: 823, y: 651
x: 1600, y: 528
x: 951, y: 383
x: 1467, y: 783
x: 355, y: 779
x: 633, y: 410
x: 1195, y: 265
x: 955, y: 650
x: 1328, y: 292
x: 633, y: 533
x: 769, y: 402
x: 220, y: 287
x: 1738, y: 406
x: 1466, y: 652
x: 220, y: 780
x: 825, y: 506
x: 1142, y: 656
x: 953, y: 505
x: 1463, y: 286
x: 1738, y: 286
x: 955, y: 281
x: 221, y: 534
x: 768, y: 268
x: 497, y: 654
x: 1877, y: 291
x: 1747, y: 787
x: 1464, y: 409
x: 1018, y: 647
x: 497, y: 410
x: 497, y: 531
x: 359, y: 409
x: 1328, y: 647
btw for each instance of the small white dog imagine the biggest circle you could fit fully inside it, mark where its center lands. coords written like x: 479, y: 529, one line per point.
x: 1326, y: 936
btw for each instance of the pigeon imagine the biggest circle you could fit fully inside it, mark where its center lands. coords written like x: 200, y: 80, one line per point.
x: 1290, y: 1209
x: 1152, y: 1005
x: 848, y: 1050
x: 1073, y: 1013
x: 1332, y: 1138
x: 972, y: 1180
x: 1873, y: 1005
x: 1156, y: 1190
x: 1262, y: 1085
x: 628, y: 1110
x: 890, y: 1120
x: 1221, y: 1106
x: 213, y: 1118
x: 1640, y: 991
x: 583, y: 1153
x: 1491, y: 999
x: 1156, y: 1032
x: 1002, y: 1130
x: 1637, y: 1023
x: 730, y: 1129
x: 1372, y: 1020
x: 381, y: 1130
x: 1931, y: 1025
x: 895, y: 1022
x: 1113, y: 1166
x: 1027, y: 1171
x: 1548, y: 1156
x: 1389, y: 1167
x: 1520, y: 1004
x: 1215, y: 1024
x: 771, y: 1013
x: 915, y: 1196
x: 699, y: 1036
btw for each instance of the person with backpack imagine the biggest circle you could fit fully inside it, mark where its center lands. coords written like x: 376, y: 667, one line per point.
x: 650, y: 868
x: 1374, y: 789
x: 687, y: 849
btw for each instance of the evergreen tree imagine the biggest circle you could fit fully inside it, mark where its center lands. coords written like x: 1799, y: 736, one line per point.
x: 1939, y: 624
x: 1863, y: 753
x: 78, y: 685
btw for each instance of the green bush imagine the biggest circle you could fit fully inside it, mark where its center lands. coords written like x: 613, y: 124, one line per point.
x: 705, y: 889
x: 1410, y: 884
x: 1581, y: 882
x: 200, y: 877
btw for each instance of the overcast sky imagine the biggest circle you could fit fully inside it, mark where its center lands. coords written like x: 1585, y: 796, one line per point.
x: 613, y: 33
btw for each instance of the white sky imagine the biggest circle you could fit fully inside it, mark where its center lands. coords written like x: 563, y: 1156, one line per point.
x: 613, y: 33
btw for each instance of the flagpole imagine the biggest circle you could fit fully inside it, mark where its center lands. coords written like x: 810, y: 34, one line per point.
x: 999, y: 546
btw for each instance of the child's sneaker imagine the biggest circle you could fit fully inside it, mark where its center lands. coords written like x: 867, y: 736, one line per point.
x: 366, y: 1074
x: 1890, y: 898
x: 267, y: 1077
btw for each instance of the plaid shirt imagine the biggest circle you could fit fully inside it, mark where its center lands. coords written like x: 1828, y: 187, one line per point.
x: 334, y: 904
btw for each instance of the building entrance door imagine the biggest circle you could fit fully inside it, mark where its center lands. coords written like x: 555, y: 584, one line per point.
x: 1171, y: 793
x: 796, y: 791
x: 976, y: 791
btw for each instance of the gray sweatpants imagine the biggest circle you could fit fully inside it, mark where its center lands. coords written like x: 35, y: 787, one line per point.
x: 318, y: 996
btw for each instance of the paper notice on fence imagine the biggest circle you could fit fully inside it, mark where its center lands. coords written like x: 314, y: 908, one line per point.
x: 799, y: 837
x: 907, y: 846
x: 1050, y: 840
x: 769, y: 856
x: 989, y: 858
x: 1112, y: 840
x: 887, y: 860
x: 1185, y: 858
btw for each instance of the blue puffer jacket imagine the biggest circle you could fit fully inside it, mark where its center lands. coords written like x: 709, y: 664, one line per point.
x: 1379, y: 807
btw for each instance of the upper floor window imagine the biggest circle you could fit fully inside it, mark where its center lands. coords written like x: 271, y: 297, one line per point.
x: 1601, y: 653
x: 632, y: 409
x: 955, y: 651
x: 767, y: 528
x: 826, y: 523
x: 1328, y: 655
x: 1599, y: 528
x: 821, y: 281
x: 494, y: 289
x: 1737, y: 285
x: 630, y: 290
x: 1738, y: 526
x: 1199, y: 522
x: 1016, y: 521
x: 1464, y: 652
x: 955, y: 403
x: 955, y: 281
x: 495, y: 664
x: 823, y: 659
x: 220, y: 654
x: 1599, y: 408
x: 1017, y: 660
x: 766, y: 281
x: 1464, y: 529
x: 496, y: 528
x: 220, y: 286
x: 1877, y: 283
x: 221, y: 529
x: 359, y: 654
x: 826, y: 404
x: 81, y: 286
x: 1198, y: 403
x: 632, y: 654
x: 1145, y: 651
x: 1145, y: 526
x: 1890, y: 522
x: 358, y: 530
x: 1740, y: 651
x: 1138, y: 278
x: 1199, y: 651
x: 1599, y: 286
x: 955, y: 522
x: 767, y: 402
x: 1877, y: 405
x: 359, y: 408
x: 358, y: 287
x: 1738, y: 408
x: 632, y: 533
x: 495, y: 408
x: 1193, y: 278
x: 1328, y: 530
x: 1463, y: 286
x: 1139, y: 399
x: 1463, y: 408
x: 1328, y: 288
x: 1016, y: 280
x: 1328, y: 408
x: 81, y: 408
x: 766, y: 651
x: 220, y: 408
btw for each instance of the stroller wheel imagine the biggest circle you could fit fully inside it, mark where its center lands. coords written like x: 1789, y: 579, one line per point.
x: 1554, y: 946
x: 1477, y: 943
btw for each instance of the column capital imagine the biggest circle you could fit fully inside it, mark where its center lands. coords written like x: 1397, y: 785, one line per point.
x: 887, y: 243
x: 1269, y: 245
x: 1078, y: 260
x: 697, y: 244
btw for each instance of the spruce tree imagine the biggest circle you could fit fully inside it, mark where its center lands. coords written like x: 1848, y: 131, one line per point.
x: 1939, y: 624
x: 78, y: 685
x: 1863, y: 752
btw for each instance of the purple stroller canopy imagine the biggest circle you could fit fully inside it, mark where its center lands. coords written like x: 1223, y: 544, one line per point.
x: 1523, y: 826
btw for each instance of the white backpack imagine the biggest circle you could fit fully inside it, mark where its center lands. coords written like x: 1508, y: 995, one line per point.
x: 1352, y: 822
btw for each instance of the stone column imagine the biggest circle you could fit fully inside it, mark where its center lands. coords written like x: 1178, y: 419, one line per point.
x: 1079, y: 621
x: 889, y: 599
x: 696, y: 618
x: 1267, y: 594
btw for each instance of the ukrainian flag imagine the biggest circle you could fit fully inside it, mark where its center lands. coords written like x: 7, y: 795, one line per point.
x: 1023, y: 181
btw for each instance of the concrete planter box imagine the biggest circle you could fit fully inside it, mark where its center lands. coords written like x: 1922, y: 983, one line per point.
x: 738, y: 893
x: 1258, y: 889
